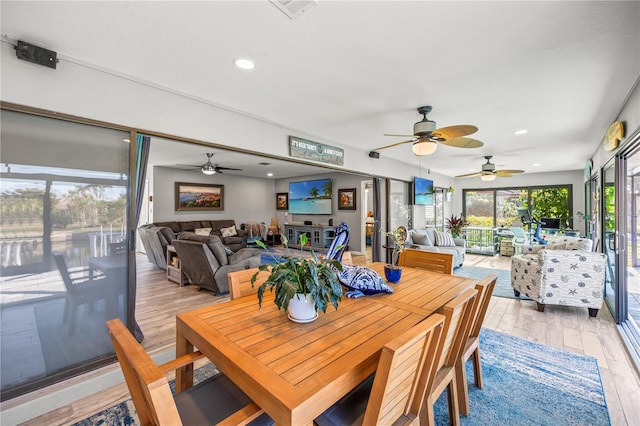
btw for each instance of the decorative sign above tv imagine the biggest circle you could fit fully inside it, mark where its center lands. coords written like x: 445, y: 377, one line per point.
x: 615, y: 133
x: 310, y: 197
x: 422, y: 191
x: 308, y: 150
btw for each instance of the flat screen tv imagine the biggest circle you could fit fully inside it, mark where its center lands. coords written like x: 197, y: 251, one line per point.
x: 310, y: 197
x: 422, y: 191
x: 550, y: 223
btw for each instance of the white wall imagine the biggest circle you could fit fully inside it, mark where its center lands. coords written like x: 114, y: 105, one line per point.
x: 245, y: 199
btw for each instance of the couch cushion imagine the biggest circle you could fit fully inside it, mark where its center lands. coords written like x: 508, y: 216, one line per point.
x: 213, y: 242
x: 189, y: 226
x: 243, y: 254
x: 228, y: 232
x: 174, y: 226
x: 421, y: 239
x: 203, y: 231
x: 430, y: 232
x: 444, y: 239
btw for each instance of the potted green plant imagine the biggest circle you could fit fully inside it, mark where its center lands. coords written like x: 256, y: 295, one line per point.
x: 309, y: 281
x: 455, y: 225
x: 395, y: 240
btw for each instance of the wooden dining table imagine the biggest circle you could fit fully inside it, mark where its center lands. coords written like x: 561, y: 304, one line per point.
x: 295, y: 371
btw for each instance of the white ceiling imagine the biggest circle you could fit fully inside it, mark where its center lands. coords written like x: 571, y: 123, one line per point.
x: 349, y: 71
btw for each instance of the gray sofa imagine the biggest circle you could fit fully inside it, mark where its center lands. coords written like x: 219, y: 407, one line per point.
x: 157, y: 236
x: 206, y: 262
x: 426, y: 240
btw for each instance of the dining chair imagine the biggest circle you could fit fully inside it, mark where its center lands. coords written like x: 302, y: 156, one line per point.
x: 82, y: 288
x: 458, y: 315
x: 472, y: 346
x: 214, y: 401
x: 394, y: 394
x: 240, y: 282
x: 430, y: 261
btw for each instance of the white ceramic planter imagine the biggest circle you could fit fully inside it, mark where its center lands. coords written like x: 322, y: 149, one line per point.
x: 302, y: 308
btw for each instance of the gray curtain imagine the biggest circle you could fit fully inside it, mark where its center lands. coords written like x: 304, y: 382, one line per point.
x: 143, y: 144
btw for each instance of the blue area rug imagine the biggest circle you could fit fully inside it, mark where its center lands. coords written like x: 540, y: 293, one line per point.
x: 525, y: 383
x: 503, y: 285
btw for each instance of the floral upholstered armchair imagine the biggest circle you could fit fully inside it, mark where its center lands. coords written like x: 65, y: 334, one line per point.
x: 564, y: 272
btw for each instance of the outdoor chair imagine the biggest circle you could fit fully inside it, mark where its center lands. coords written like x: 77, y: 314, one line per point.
x: 394, y: 394
x: 240, y: 282
x: 214, y: 401
x: 472, y: 346
x: 83, y: 288
x: 519, y: 239
x: 430, y: 261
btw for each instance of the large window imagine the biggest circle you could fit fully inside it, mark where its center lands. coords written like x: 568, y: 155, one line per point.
x: 499, y: 207
x: 64, y: 192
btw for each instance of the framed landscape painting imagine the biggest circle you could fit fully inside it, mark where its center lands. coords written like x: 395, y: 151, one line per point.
x: 347, y: 199
x: 199, y: 196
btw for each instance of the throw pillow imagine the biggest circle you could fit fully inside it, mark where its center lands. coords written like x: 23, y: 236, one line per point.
x: 203, y: 231
x: 444, y: 238
x: 362, y: 281
x: 421, y: 239
x: 228, y: 232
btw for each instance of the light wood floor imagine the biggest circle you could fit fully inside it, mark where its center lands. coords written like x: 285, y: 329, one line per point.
x: 567, y: 328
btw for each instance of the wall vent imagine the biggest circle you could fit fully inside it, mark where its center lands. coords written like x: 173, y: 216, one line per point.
x: 294, y: 8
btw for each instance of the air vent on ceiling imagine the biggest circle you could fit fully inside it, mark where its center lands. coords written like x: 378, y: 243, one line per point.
x: 294, y: 8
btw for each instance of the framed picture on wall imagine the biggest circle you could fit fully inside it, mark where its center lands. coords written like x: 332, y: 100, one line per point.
x: 282, y: 201
x: 347, y: 199
x: 199, y: 197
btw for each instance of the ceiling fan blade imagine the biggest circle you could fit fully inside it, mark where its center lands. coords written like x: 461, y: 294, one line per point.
x: 455, y: 131
x: 508, y: 172
x: 463, y: 142
x: 474, y: 174
x: 400, y: 136
x: 188, y: 165
x: 395, y: 144
x: 227, y: 168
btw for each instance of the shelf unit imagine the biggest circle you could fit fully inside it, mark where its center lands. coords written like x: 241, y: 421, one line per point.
x: 319, y: 236
x: 174, y: 267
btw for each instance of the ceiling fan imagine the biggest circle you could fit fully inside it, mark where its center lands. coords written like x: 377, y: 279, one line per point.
x: 209, y: 168
x: 489, y: 172
x: 425, y: 136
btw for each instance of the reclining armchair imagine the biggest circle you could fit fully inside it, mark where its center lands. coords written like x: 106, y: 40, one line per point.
x: 564, y: 272
x: 206, y: 261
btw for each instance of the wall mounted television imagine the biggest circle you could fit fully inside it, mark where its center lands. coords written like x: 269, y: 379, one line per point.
x: 422, y: 191
x: 310, y: 197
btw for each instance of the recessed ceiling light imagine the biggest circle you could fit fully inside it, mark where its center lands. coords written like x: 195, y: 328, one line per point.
x: 270, y: 174
x: 520, y: 132
x: 244, y: 63
x: 536, y: 164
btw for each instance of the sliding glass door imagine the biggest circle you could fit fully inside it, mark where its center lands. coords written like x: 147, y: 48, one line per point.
x: 64, y: 200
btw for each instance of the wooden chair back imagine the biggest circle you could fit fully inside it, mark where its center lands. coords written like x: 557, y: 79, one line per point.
x: 471, y: 347
x: 64, y: 272
x: 458, y: 318
x: 240, y: 282
x: 485, y: 290
x: 430, y: 261
x: 147, y: 384
x: 403, y: 373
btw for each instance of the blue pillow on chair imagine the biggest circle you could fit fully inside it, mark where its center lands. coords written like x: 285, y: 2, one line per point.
x: 362, y: 281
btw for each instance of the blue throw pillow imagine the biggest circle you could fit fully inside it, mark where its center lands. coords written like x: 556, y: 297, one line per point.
x: 363, y: 281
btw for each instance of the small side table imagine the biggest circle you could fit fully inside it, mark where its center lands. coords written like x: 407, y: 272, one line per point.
x: 174, y: 267
x: 273, y: 239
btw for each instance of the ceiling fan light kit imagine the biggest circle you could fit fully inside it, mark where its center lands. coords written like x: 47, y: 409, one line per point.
x: 424, y: 147
x: 488, y: 177
x: 426, y: 136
